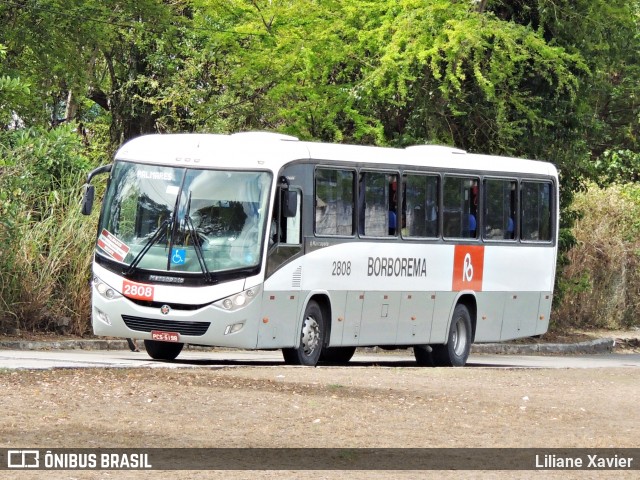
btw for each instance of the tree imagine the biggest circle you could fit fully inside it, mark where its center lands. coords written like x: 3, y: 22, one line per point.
x: 13, y: 91
x: 603, y: 120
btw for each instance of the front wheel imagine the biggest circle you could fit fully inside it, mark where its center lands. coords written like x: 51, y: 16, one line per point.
x: 311, y: 338
x: 456, y: 351
x: 163, y: 350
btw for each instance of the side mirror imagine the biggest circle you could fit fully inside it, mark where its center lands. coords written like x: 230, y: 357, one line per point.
x: 290, y: 204
x: 90, y: 191
x: 87, y: 199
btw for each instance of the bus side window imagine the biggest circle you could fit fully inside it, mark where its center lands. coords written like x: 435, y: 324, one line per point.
x: 420, y: 211
x: 293, y: 225
x: 499, y: 209
x: 535, y: 222
x: 334, y: 201
x: 461, y: 199
x: 377, y: 204
x: 285, y: 229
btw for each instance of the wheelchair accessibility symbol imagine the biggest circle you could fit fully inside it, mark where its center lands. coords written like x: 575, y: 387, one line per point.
x: 178, y: 256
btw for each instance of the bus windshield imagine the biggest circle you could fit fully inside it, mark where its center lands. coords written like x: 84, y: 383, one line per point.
x: 183, y: 219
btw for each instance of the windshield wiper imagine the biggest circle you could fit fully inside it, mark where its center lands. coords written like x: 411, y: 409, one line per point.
x: 196, y: 242
x: 157, y: 235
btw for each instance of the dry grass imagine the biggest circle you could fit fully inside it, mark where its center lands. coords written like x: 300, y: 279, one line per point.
x: 602, y: 280
x: 46, y: 279
x: 45, y: 266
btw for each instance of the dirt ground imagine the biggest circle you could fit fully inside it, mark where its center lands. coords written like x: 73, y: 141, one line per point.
x: 341, y: 407
x: 319, y: 407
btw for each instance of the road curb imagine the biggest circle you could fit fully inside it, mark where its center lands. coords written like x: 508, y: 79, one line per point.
x: 600, y: 345
x: 64, y: 345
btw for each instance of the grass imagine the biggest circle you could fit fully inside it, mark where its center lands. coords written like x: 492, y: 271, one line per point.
x: 45, y: 265
x: 49, y: 264
x: 602, y: 280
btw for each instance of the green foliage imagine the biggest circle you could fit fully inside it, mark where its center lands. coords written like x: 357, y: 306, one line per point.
x: 14, y: 86
x: 38, y: 163
x: 45, y: 243
x: 617, y: 166
x: 13, y: 91
x: 557, y: 80
x: 605, y: 115
x: 470, y: 76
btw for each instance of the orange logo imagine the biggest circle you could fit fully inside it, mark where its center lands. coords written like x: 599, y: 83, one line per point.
x: 468, y: 265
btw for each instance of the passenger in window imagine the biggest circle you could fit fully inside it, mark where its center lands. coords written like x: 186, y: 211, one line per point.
x: 474, y: 208
x: 472, y: 225
x: 509, y: 234
x: 392, y: 222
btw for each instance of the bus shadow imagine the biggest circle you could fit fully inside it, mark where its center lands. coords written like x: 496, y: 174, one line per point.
x: 202, y: 359
x: 205, y: 362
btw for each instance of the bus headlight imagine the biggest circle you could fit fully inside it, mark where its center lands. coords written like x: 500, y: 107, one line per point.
x: 105, y: 290
x: 239, y: 300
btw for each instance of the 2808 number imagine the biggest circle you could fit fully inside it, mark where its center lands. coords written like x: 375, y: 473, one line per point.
x: 341, y: 268
x: 137, y: 290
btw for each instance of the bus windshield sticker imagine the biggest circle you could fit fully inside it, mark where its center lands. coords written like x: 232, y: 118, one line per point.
x: 150, y: 175
x: 179, y: 256
x: 114, y: 247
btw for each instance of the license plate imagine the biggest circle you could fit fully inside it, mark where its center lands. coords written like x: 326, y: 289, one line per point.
x: 165, y: 336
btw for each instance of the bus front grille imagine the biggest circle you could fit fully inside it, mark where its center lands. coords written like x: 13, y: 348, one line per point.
x: 148, y: 324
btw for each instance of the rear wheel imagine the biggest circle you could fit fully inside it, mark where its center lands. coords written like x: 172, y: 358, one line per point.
x: 163, y: 350
x: 456, y: 351
x: 337, y: 354
x: 311, y: 338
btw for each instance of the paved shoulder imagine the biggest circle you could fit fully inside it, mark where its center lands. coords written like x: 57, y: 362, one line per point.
x: 600, y: 345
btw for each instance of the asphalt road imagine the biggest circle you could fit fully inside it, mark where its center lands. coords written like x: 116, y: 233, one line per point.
x: 31, y: 359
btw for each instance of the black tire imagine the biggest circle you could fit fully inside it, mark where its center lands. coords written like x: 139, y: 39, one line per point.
x: 424, y: 355
x: 312, y: 336
x: 163, y: 350
x: 456, y: 351
x: 338, y: 355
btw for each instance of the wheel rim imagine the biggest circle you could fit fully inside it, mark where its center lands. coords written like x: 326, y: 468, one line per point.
x: 310, y: 335
x: 459, y: 338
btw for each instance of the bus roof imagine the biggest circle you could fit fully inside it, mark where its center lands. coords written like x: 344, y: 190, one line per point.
x: 271, y: 151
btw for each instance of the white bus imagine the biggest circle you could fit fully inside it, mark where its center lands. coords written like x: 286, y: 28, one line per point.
x: 261, y: 241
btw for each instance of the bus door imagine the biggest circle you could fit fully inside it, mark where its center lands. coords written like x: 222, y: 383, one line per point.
x: 281, y: 297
